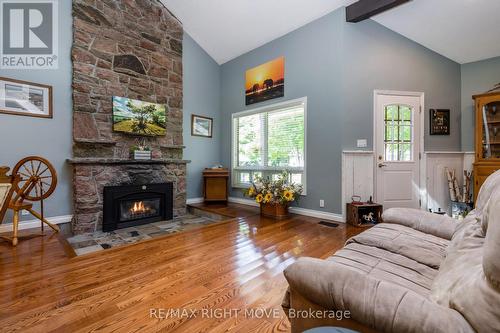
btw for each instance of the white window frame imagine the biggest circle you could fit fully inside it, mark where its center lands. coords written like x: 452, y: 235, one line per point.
x: 268, y: 108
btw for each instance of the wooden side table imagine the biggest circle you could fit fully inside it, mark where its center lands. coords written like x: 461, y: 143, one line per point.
x: 355, y: 213
x: 215, y: 185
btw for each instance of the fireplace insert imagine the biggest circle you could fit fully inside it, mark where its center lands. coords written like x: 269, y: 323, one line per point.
x: 131, y: 205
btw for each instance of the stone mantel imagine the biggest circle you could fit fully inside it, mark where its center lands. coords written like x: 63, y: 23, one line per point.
x: 111, y: 142
x: 110, y: 161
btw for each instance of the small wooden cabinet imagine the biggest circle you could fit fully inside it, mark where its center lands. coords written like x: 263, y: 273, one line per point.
x: 487, y: 137
x: 215, y: 185
x: 355, y: 213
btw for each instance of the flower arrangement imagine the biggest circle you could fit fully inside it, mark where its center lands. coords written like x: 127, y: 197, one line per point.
x: 141, y: 145
x: 141, y: 150
x: 280, y: 191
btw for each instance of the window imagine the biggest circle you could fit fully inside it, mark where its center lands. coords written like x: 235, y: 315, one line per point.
x: 398, y: 127
x: 269, y: 140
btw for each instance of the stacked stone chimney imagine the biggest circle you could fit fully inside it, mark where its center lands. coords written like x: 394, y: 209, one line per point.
x: 126, y: 48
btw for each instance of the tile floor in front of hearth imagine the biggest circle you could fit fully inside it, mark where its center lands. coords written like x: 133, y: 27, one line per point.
x: 99, y: 240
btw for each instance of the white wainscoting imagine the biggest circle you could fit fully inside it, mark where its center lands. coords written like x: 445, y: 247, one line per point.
x: 357, y: 175
x: 437, y: 194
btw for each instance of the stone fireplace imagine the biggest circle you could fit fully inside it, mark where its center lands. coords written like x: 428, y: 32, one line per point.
x: 128, y: 49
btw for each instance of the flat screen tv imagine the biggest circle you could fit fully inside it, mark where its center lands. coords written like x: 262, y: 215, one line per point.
x: 139, y: 118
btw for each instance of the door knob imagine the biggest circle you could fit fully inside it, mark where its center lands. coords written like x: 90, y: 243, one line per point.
x: 381, y: 165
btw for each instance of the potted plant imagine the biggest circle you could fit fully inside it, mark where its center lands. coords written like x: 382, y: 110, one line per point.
x: 141, y: 151
x: 274, y: 196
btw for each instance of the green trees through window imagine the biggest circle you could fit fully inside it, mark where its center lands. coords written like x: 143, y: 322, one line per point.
x: 268, y: 142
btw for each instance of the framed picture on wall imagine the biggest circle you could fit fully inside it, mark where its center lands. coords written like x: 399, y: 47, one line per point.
x: 265, y: 82
x: 201, y: 126
x: 25, y: 98
x: 440, y: 121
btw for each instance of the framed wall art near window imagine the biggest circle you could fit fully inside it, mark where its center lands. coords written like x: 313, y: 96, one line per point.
x: 265, y: 82
x: 25, y: 98
x: 201, y: 126
x: 440, y: 121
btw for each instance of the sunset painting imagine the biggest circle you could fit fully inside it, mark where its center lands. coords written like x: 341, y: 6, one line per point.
x: 265, y: 82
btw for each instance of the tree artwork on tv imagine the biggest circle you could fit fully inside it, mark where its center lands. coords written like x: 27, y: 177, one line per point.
x: 139, y: 118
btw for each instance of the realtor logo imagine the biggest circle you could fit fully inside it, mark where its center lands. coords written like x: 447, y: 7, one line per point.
x: 29, y: 36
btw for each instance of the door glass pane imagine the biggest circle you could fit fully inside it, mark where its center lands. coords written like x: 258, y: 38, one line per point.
x: 398, y: 129
x: 405, y: 113
x: 391, y: 112
x: 405, y: 152
x: 405, y: 133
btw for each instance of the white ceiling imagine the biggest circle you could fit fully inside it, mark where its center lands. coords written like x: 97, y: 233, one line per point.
x: 462, y: 30
x: 226, y: 29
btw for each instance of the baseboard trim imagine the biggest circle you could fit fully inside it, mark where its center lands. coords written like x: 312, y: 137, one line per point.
x: 30, y: 224
x: 318, y: 214
x: 296, y: 210
x: 242, y: 201
x: 194, y: 201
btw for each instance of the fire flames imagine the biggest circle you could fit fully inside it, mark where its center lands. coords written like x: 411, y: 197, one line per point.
x: 139, y: 208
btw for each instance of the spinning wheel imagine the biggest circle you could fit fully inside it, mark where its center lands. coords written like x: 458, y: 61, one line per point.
x: 34, y: 179
x: 38, y: 178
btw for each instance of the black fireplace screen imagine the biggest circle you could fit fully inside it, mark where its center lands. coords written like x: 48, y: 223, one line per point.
x: 130, y: 205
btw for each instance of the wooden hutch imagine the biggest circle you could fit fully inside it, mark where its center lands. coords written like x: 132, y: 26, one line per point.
x: 487, y: 137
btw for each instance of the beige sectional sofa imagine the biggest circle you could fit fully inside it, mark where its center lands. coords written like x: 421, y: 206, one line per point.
x: 416, y: 272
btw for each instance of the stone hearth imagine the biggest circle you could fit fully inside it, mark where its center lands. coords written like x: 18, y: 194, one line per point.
x: 129, y: 49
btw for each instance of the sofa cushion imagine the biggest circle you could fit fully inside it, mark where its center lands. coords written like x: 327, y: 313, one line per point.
x: 491, y: 256
x: 468, y: 280
x: 386, y: 266
x: 423, y: 248
x: 374, y: 295
x: 441, y: 226
x: 484, y: 196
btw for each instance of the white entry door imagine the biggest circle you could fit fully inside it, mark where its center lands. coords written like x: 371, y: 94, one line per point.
x: 397, y: 149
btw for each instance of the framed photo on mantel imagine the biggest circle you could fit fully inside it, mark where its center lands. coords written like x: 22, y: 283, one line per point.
x: 25, y: 98
x: 440, y: 121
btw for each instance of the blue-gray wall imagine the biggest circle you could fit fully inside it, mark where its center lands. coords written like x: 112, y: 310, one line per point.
x: 337, y: 65
x: 477, y: 77
x: 202, y: 97
x: 312, y: 67
x: 51, y: 138
x: 375, y: 57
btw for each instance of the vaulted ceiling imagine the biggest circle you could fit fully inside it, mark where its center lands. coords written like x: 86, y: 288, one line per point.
x: 226, y: 29
x: 462, y: 30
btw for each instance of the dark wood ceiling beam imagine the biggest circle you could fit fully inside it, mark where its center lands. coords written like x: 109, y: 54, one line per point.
x: 364, y: 9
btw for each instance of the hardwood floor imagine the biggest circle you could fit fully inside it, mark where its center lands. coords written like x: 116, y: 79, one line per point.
x: 232, y: 265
